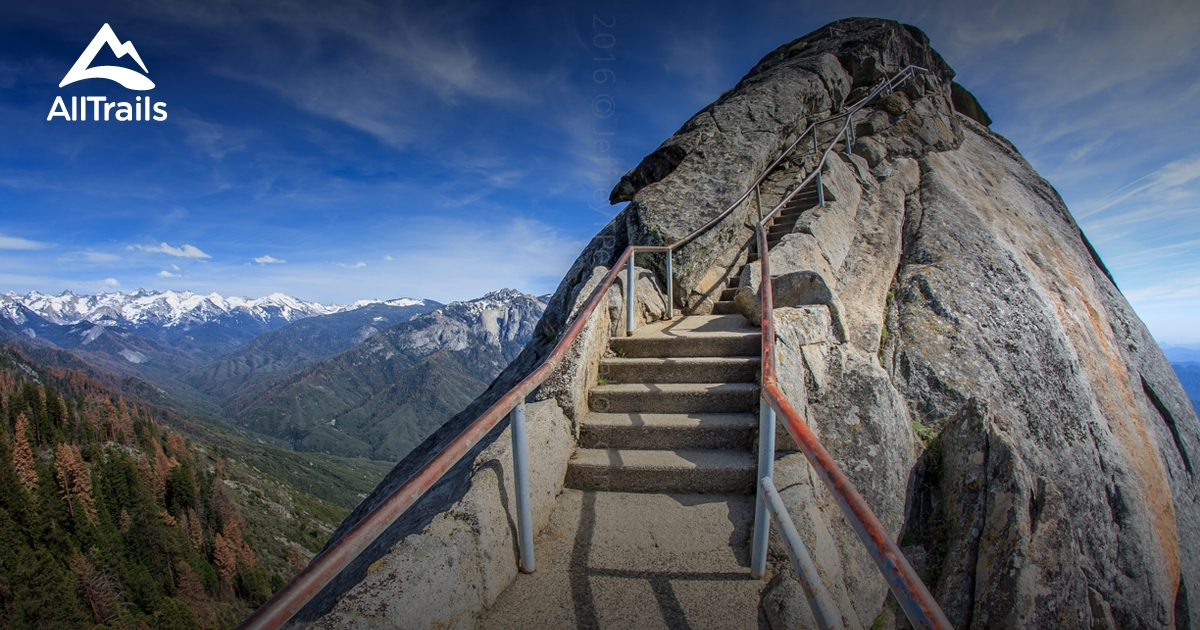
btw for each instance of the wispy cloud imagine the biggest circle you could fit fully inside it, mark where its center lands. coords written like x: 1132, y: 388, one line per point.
x: 167, y: 274
x: 187, y: 251
x: 13, y: 242
x: 90, y: 257
x: 357, y: 265
x: 1162, y: 182
x: 212, y: 139
x: 267, y: 260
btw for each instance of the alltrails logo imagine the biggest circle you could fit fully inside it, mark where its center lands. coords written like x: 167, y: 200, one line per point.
x: 140, y: 109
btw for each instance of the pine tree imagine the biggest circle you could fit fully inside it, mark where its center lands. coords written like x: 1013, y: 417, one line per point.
x: 100, y: 589
x: 74, y: 481
x: 23, y: 456
x: 194, y: 532
x: 225, y: 556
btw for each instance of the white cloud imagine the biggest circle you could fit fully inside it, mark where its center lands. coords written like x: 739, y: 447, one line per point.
x: 13, y: 242
x: 109, y: 283
x: 187, y: 251
x: 167, y: 274
x: 387, y: 257
x: 357, y: 265
x: 175, y: 267
x: 265, y: 260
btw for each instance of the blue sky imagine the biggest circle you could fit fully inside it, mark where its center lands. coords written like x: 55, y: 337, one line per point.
x: 338, y: 151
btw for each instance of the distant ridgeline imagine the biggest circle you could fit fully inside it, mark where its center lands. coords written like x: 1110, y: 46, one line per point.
x: 107, y: 518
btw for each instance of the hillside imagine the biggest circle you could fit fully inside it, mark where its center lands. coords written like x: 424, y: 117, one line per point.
x: 117, y: 499
x: 385, y: 395
x: 1189, y: 377
x: 274, y: 355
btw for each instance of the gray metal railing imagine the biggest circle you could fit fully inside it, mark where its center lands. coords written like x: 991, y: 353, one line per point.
x: 819, y: 601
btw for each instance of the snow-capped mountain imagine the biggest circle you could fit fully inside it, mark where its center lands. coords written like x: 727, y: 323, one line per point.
x: 171, y: 308
x: 155, y: 324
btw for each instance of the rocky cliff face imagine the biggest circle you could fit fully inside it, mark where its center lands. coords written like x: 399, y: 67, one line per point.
x: 968, y: 360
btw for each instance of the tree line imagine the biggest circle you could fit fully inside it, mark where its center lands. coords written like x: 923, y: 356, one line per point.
x: 108, y: 520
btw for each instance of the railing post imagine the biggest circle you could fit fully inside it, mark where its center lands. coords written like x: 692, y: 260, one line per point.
x: 758, y: 202
x: 850, y: 134
x: 766, y: 468
x: 520, y: 446
x: 670, y: 286
x: 819, y: 601
x: 817, y: 152
x: 629, y: 279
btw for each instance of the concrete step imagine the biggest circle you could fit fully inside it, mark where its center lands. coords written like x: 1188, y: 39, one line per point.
x: 627, y: 470
x: 674, y: 397
x: 666, y: 431
x: 681, y: 370
x: 637, y: 561
x: 724, y: 308
x: 693, y: 336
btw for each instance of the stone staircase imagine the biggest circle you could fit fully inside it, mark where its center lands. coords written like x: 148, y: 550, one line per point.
x: 675, y: 411
x: 783, y: 223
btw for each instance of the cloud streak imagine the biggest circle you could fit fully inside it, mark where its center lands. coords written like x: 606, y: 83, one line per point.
x: 13, y: 242
x: 187, y: 251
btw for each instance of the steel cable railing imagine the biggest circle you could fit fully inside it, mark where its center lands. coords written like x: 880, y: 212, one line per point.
x: 323, y: 568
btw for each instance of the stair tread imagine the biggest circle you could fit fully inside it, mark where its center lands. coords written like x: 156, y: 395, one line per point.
x: 671, y: 388
x: 668, y: 420
x: 679, y: 459
x: 679, y: 360
x: 698, y: 326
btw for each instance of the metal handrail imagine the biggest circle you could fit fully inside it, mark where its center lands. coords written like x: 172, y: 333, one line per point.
x: 850, y: 111
x: 887, y: 85
x: 328, y: 564
x: 819, y: 601
x: 911, y: 593
x: 334, y: 559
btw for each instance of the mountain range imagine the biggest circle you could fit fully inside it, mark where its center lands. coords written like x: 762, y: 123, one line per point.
x: 369, y: 379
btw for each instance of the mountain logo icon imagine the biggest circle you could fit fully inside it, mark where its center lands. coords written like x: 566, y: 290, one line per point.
x: 129, y: 78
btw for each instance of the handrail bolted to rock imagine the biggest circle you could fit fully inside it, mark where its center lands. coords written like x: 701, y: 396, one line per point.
x: 887, y: 84
x: 335, y: 558
x: 910, y: 592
